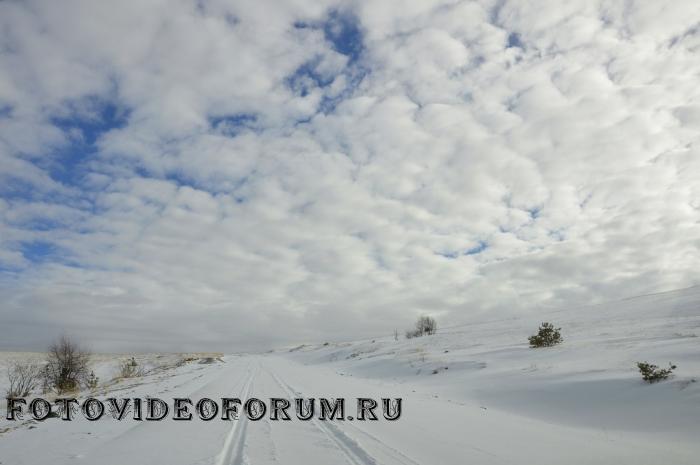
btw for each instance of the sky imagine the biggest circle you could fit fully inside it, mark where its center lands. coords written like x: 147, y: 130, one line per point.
x: 237, y: 175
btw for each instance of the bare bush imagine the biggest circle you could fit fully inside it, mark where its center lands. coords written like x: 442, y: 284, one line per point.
x: 23, y: 378
x: 410, y: 334
x: 425, y: 325
x: 92, y: 381
x: 130, y: 369
x: 67, y: 365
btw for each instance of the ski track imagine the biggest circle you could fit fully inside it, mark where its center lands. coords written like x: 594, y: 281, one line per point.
x: 392, y: 450
x: 233, y: 451
x: 145, y: 424
x: 353, y: 452
x: 267, y: 432
x: 351, y: 449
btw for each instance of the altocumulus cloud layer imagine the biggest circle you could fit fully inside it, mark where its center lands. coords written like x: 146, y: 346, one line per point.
x: 229, y: 174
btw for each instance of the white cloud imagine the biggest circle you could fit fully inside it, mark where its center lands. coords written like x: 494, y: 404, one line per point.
x: 476, y: 158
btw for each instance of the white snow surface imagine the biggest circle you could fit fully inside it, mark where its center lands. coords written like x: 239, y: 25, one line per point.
x: 474, y: 394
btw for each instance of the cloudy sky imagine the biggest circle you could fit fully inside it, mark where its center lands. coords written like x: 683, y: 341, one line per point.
x: 195, y: 175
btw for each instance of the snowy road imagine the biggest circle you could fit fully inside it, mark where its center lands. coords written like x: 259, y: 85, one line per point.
x: 432, y: 429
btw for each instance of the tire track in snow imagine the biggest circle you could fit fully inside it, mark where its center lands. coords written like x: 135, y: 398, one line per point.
x: 392, y: 451
x: 338, y: 436
x: 352, y: 450
x: 233, y: 450
x: 272, y: 449
x: 395, y: 456
x: 139, y: 426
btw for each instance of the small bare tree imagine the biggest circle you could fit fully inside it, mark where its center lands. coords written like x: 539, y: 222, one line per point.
x: 67, y: 365
x: 23, y: 378
x: 426, y: 325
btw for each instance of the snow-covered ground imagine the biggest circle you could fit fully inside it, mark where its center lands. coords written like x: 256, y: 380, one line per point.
x: 472, y: 394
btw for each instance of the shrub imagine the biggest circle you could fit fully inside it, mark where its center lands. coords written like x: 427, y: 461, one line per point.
x: 547, y: 336
x: 425, y: 325
x: 130, y: 369
x: 652, y: 373
x: 23, y: 378
x: 67, y: 365
x: 46, y: 384
x: 92, y: 381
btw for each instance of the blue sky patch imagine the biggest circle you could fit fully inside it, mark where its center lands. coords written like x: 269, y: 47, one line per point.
x: 306, y: 78
x: 514, y: 41
x: 343, y: 31
x: 83, y: 129
x: 94, y: 118
x: 477, y: 249
x: 448, y: 255
x: 232, y: 125
x: 454, y: 254
x: 534, y: 212
x: 37, y: 251
x: 5, y: 111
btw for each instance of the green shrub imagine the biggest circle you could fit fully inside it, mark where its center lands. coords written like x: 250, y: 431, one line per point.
x: 547, y: 336
x: 652, y: 373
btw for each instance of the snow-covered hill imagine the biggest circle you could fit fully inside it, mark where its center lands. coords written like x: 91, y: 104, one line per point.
x: 590, y: 380
x: 471, y: 394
